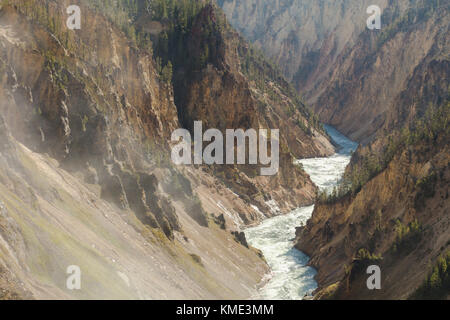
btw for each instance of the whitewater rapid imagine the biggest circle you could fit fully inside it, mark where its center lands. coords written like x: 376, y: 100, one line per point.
x: 290, y: 277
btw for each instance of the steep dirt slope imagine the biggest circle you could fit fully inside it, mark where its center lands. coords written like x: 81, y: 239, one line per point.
x: 86, y: 176
x: 51, y: 219
x: 99, y: 198
x: 392, y: 208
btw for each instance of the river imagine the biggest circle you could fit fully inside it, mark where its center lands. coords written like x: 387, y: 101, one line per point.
x: 290, y: 277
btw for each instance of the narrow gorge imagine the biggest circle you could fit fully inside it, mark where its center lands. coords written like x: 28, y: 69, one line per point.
x: 358, y: 122
x: 388, y: 90
x: 291, y: 278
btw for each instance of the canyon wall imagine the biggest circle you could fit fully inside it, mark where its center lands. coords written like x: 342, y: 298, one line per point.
x: 86, y: 177
x: 350, y: 75
x: 398, y: 221
x: 394, y: 212
x: 386, y: 89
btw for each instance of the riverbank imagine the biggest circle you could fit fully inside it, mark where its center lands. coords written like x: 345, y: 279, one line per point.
x: 291, y: 278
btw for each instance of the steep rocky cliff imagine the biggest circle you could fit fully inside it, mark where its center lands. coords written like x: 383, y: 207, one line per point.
x: 392, y: 209
x: 300, y: 35
x: 379, y: 87
x: 349, y: 74
x: 392, y: 206
x: 86, y: 177
x: 223, y: 81
x: 398, y: 220
x: 369, y: 77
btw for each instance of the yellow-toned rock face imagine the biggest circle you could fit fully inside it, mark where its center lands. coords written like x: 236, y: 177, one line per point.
x: 373, y: 85
x: 86, y: 177
x: 352, y: 76
x: 400, y: 217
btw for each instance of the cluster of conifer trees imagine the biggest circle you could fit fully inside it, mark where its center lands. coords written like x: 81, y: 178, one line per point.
x: 425, y: 130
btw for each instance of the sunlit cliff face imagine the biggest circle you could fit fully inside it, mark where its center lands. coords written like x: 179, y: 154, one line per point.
x: 92, y: 206
x: 149, y: 151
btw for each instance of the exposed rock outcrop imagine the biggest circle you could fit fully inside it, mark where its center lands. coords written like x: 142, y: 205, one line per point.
x: 370, y: 77
x: 371, y: 85
x: 90, y: 115
x: 399, y: 219
x: 352, y: 76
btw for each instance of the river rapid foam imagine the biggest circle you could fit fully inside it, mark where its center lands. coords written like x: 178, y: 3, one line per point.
x: 291, y: 278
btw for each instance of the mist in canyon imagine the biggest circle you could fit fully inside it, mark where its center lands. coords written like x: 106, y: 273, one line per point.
x: 86, y: 177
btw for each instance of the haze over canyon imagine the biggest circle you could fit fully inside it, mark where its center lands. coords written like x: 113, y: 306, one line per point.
x: 356, y: 122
